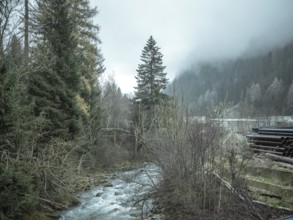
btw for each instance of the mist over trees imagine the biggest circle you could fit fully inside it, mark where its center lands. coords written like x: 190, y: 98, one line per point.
x: 256, y: 85
x: 60, y: 125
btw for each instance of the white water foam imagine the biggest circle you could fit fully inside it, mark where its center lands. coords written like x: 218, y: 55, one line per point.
x: 116, y: 202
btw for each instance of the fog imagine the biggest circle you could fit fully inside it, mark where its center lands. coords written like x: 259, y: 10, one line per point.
x: 187, y: 31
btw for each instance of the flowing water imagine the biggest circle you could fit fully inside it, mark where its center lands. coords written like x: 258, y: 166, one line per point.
x: 116, y: 201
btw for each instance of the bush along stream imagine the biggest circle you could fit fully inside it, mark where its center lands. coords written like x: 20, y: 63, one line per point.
x: 124, y: 196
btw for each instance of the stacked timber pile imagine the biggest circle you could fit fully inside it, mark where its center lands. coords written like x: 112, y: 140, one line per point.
x: 272, y: 140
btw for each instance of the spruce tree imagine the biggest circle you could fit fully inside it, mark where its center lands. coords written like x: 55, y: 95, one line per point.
x: 151, y: 82
x: 151, y: 78
x: 91, y: 58
x: 65, y: 88
x: 55, y: 83
x: 15, y: 120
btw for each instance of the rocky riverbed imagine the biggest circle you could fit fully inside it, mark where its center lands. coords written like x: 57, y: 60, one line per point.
x: 120, y: 197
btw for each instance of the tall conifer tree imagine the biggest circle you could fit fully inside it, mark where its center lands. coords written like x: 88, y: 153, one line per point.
x: 66, y: 89
x: 56, y: 83
x: 151, y: 83
x: 86, y: 33
x: 151, y: 78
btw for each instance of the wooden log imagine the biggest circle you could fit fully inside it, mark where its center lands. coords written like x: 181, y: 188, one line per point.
x: 267, y: 151
x: 266, y: 142
x: 268, y: 205
x: 274, y: 129
x: 278, y: 148
x: 288, y: 151
x: 276, y: 133
x: 228, y: 185
x: 264, y: 137
x: 279, y: 158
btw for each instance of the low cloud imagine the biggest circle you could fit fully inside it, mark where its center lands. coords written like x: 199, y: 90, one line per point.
x: 188, y: 30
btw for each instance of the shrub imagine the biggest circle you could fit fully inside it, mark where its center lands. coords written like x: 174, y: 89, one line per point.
x: 16, y: 193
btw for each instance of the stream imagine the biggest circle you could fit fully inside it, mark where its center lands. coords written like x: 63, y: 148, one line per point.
x: 115, y: 201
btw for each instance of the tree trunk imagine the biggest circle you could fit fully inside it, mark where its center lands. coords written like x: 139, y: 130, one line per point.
x: 26, y: 29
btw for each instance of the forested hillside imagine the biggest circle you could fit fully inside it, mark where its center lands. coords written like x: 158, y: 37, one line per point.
x: 64, y: 131
x: 59, y: 124
x: 50, y: 104
x: 256, y: 85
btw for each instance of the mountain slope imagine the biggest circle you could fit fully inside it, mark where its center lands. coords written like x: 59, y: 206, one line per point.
x: 259, y: 85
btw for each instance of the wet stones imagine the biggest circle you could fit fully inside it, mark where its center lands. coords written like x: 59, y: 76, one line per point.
x: 108, y: 185
x: 99, y: 194
x: 118, y: 193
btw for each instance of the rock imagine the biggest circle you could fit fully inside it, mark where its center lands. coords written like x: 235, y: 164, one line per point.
x: 156, y: 216
x: 99, y: 194
x: 108, y: 185
x: 114, y: 176
x: 115, y: 210
x: 118, y: 193
x: 102, y: 181
x: 134, y: 213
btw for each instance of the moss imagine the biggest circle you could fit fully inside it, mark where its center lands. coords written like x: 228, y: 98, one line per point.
x: 275, y: 202
x: 83, y: 105
x: 272, y: 181
x: 272, y: 201
x: 67, y: 199
x: 269, y: 165
x: 16, y: 192
x: 37, y: 215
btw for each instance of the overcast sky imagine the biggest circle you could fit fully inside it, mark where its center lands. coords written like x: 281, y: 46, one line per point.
x: 187, y: 31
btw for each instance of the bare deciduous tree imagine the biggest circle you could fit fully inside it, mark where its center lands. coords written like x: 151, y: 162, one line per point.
x: 202, y: 169
x: 8, y: 21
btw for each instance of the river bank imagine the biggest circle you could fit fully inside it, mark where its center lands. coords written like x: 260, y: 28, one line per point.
x: 121, y: 195
x: 83, y: 183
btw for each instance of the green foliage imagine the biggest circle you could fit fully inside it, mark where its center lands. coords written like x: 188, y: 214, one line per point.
x: 90, y: 63
x: 16, y: 117
x: 65, y: 88
x: 55, y: 86
x: 16, y: 192
x: 5, y: 84
x: 50, y: 102
x: 46, y: 99
x: 151, y: 78
x: 151, y: 83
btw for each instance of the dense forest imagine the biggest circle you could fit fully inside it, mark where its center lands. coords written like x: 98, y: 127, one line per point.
x: 254, y: 84
x: 50, y: 63
x: 62, y: 128
x: 59, y: 122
